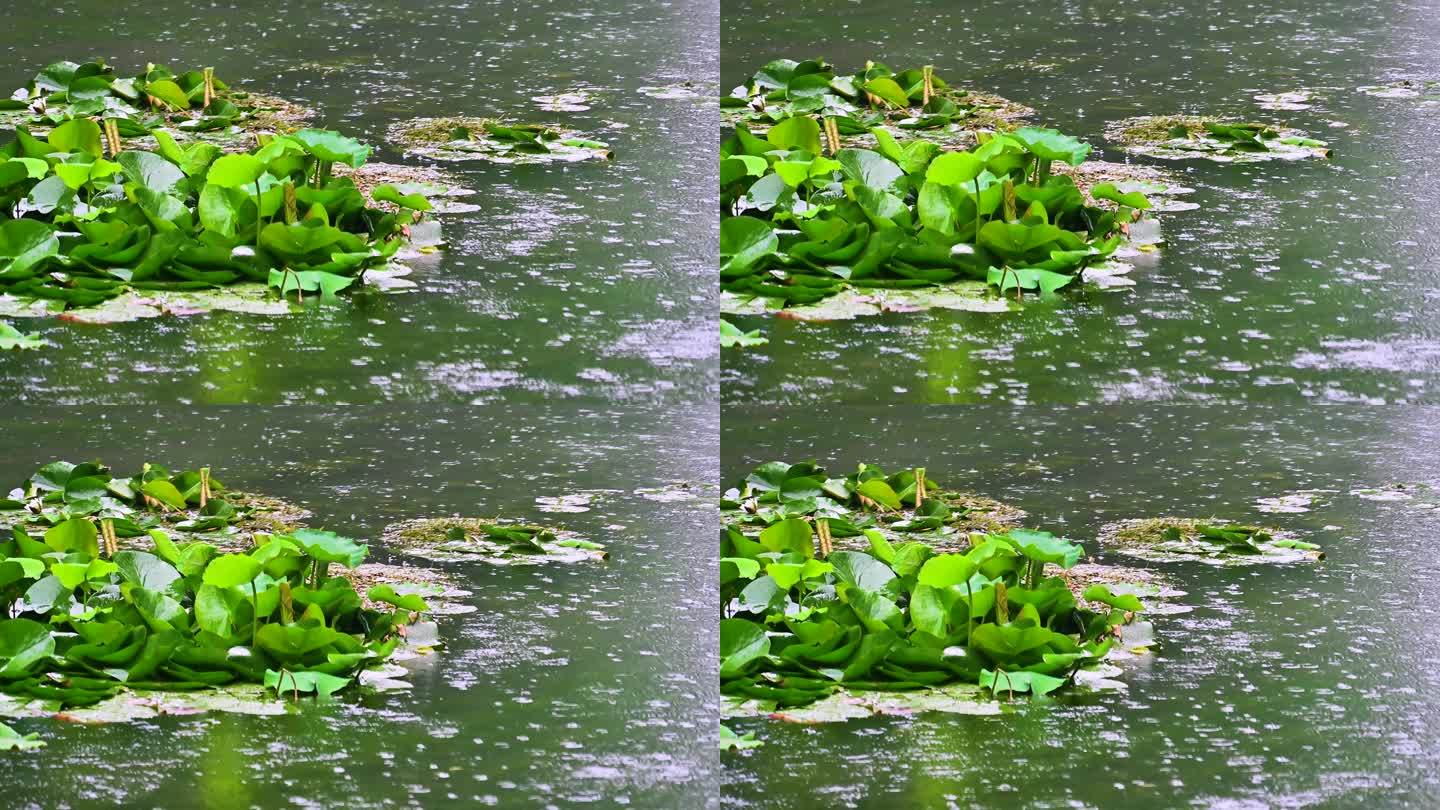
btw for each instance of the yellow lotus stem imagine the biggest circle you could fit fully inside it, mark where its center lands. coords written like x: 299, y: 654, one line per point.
x: 832, y: 135
x: 919, y: 486
x: 204, y: 486
x: 112, y: 136
x: 107, y: 534
x: 209, y: 85
x: 822, y: 530
x: 929, y: 89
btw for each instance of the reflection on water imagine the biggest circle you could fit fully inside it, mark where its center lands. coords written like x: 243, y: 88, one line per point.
x: 569, y: 685
x: 1303, y: 282
x: 1285, y: 687
x: 560, y: 264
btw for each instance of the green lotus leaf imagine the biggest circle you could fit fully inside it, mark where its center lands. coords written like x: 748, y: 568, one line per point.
x: 1051, y: 144
x: 331, y: 146
x: 23, y: 645
x: 330, y: 547
x: 741, y: 643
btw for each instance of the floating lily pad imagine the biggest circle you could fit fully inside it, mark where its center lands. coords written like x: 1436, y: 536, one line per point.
x: 250, y: 299
x: 568, y: 503
x: 12, y: 740
x: 1292, y: 503
x: 846, y: 704
x: 1214, y: 542
x: 1403, y: 88
x: 437, y: 588
x: 573, y: 101
x: 670, y: 92
x: 1416, y: 495
x: 494, y: 542
x: 730, y: 741
x: 1182, y: 137
x: 440, y: 188
x: 460, y: 139
x: 852, y: 302
x: 1292, y: 100
x: 674, y: 493
x: 732, y: 336
x: 1151, y: 587
x: 12, y: 338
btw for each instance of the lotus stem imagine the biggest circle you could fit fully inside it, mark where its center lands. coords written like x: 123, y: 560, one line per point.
x: 977, y: 209
x: 832, y: 135
x: 112, y: 136
x: 1009, y: 684
x: 822, y: 531
x: 107, y: 533
x: 292, y: 210
x: 209, y: 85
x: 1011, y: 214
x: 1002, y: 604
x: 259, y: 214
x: 204, y: 486
x: 969, y: 611
x: 919, y: 486
x: 1042, y: 172
x: 929, y: 89
x: 287, y: 603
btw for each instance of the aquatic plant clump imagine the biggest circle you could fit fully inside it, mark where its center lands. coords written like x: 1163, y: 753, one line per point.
x: 195, y: 103
x: 79, y: 229
x: 456, y: 139
x: 803, y: 620
x: 490, y: 541
x: 1181, y: 137
x: 1215, y: 542
x: 802, y: 221
x: 190, y: 501
x: 901, y: 506
x: 916, y: 100
x: 102, y: 602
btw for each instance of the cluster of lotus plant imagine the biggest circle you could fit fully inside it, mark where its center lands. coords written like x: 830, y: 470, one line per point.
x: 801, y: 619
x: 916, y: 98
x: 803, y: 219
x: 194, y: 101
x: 97, y: 597
x: 80, y: 227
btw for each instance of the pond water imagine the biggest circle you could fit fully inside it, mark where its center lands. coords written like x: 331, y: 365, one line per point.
x: 1287, y: 686
x: 1310, y: 281
x: 581, y: 685
x: 592, y: 280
